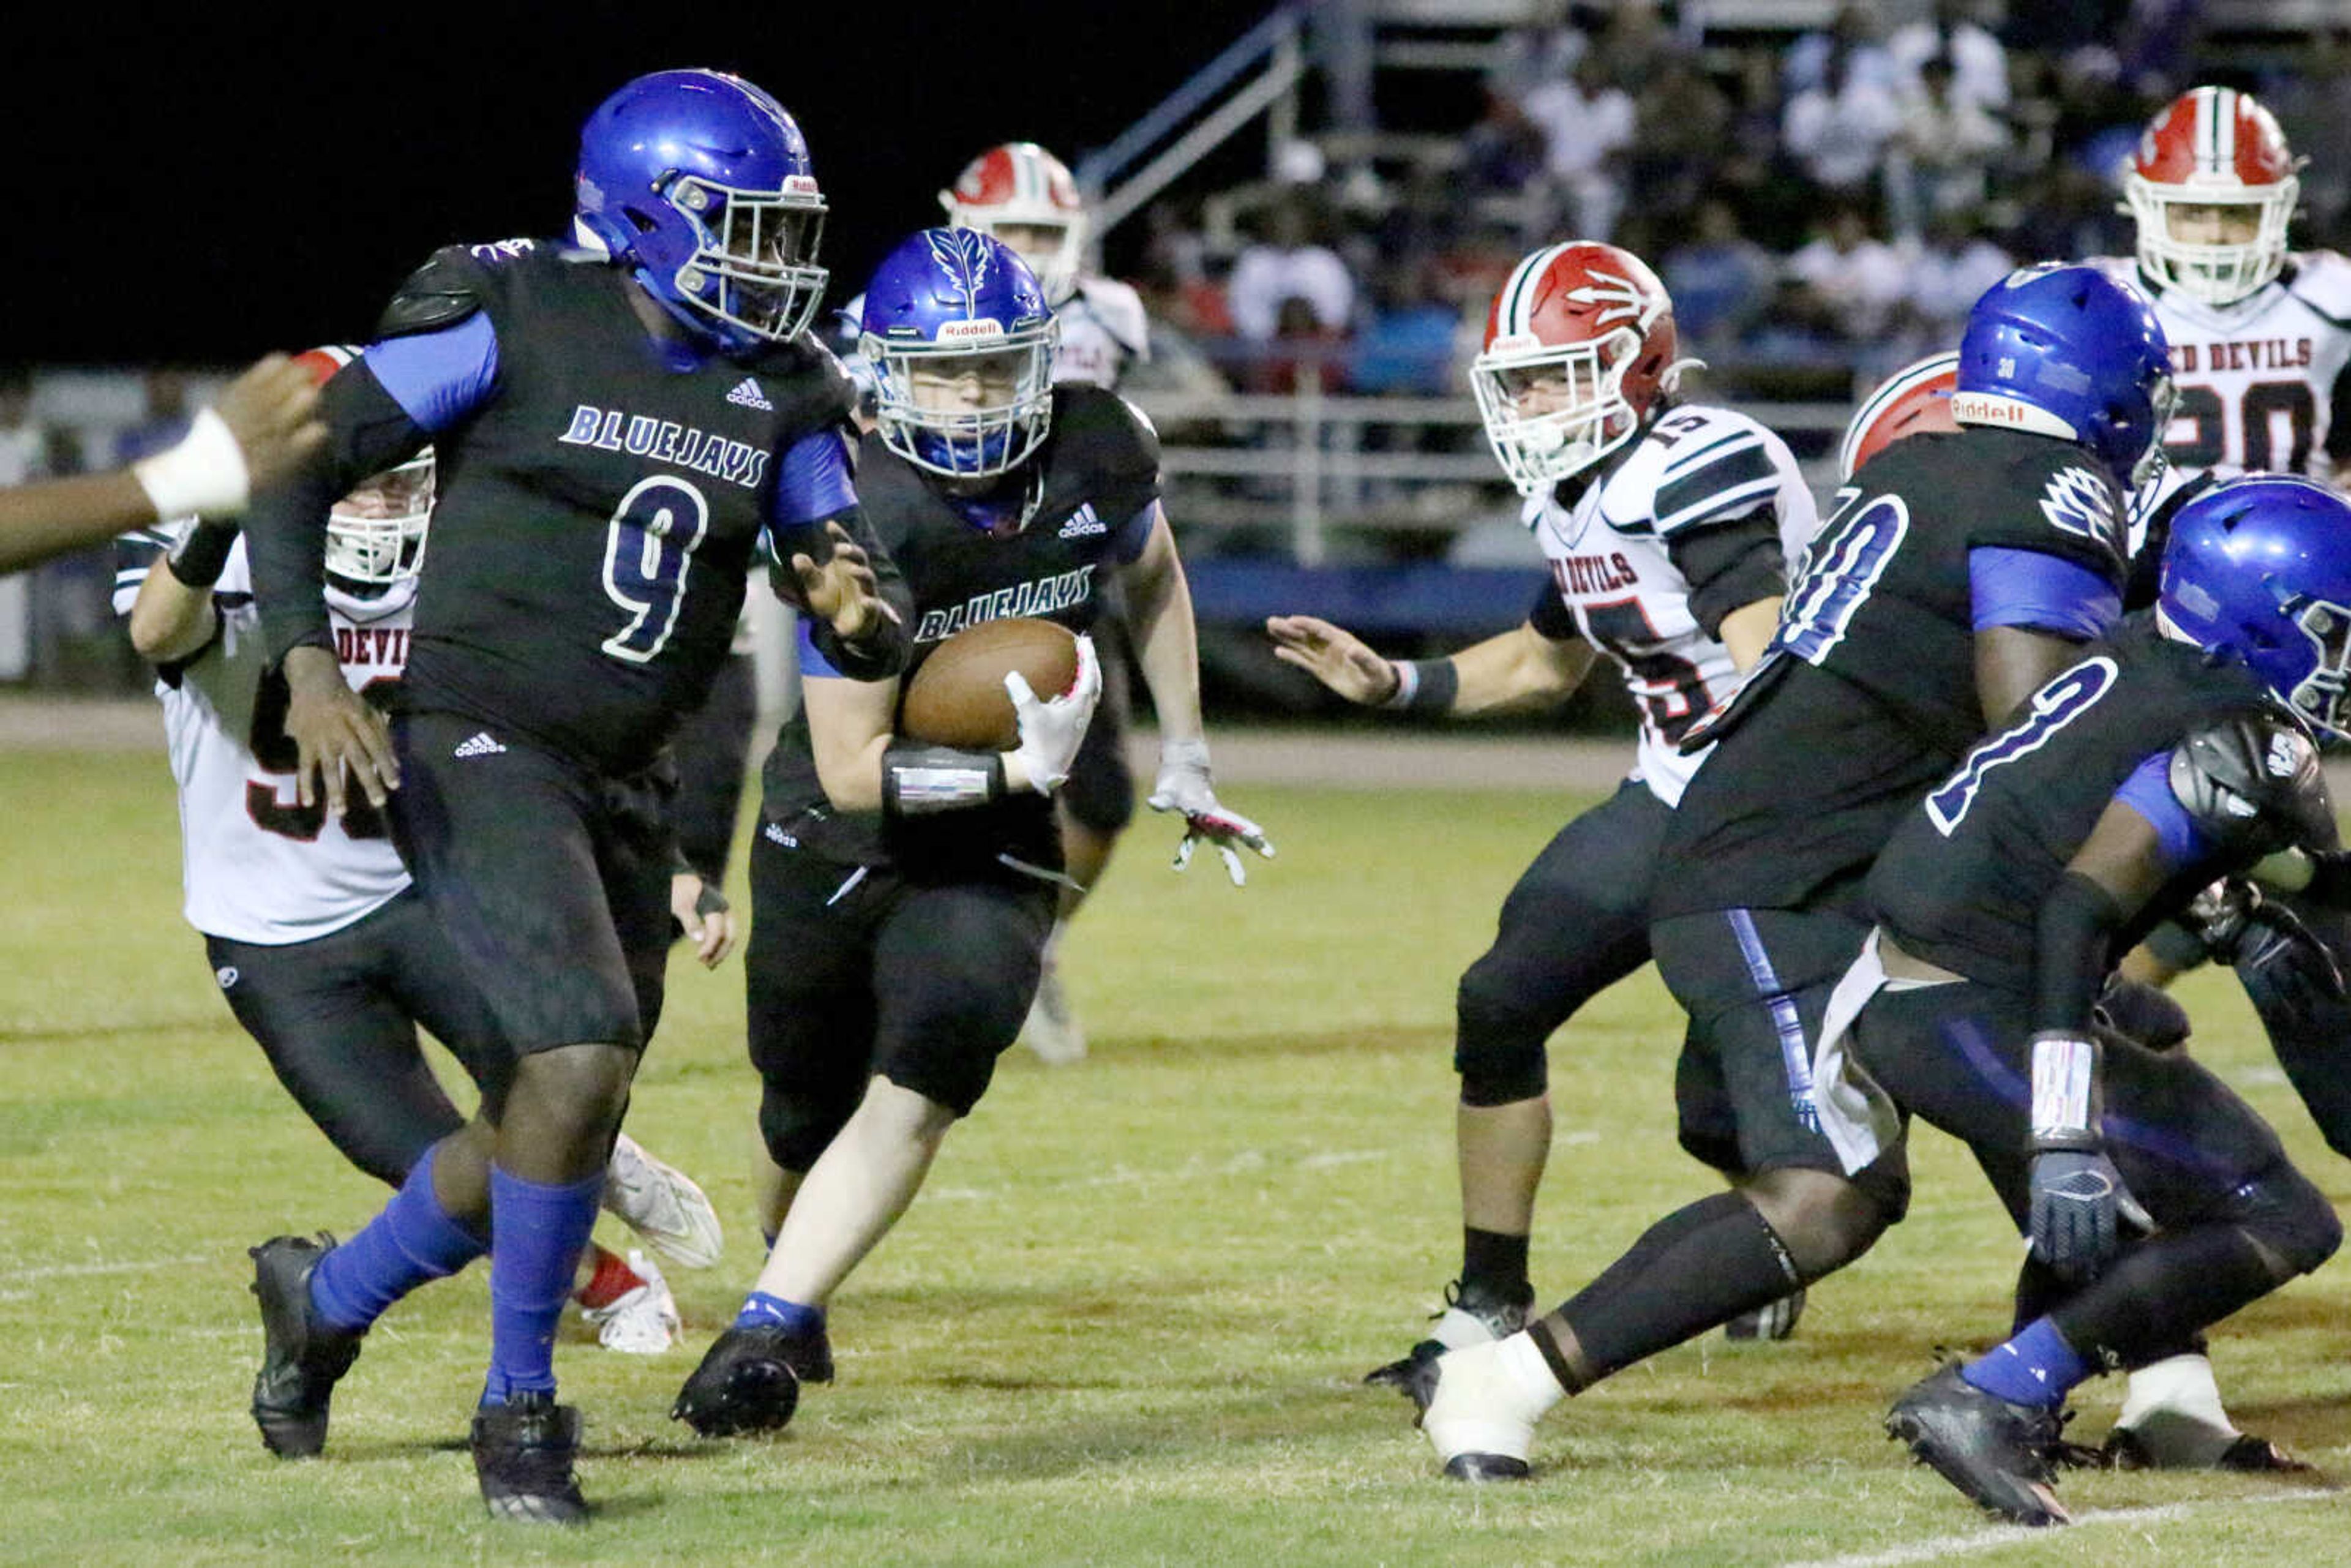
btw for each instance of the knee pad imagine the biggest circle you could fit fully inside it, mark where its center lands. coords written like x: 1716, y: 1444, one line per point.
x: 2283, y: 1211
x: 1821, y: 1222
x: 1499, y: 1050
x: 795, y: 1125
x: 950, y: 1068
x: 2144, y: 1013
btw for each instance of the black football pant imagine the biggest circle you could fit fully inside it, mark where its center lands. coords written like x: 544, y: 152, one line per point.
x: 1576, y: 923
x: 2204, y: 1164
x: 1756, y: 985
x: 853, y: 970
x: 336, y: 1018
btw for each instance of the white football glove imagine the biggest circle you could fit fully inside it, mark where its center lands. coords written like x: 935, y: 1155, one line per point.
x: 1184, y: 785
x: 1052, y: 729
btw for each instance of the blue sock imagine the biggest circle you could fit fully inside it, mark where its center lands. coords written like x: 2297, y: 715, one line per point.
x: 411, y: 1241
x: 761, y: 1310
x: 2036, y: 1368
x: 540, y: 1232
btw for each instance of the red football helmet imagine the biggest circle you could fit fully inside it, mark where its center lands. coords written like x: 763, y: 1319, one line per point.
x: 1913, y: 401
x: 2213, y: 146
x: 1580, y: 346
x: 375, y: 535
x: 1021, y: 187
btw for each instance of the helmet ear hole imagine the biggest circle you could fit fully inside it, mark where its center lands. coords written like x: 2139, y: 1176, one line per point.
x: 644, y: 225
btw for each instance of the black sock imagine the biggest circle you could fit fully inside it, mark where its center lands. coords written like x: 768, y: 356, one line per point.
x: 1697, y: 1268
x: 2151, y: 1300
x: 1494, y: 1266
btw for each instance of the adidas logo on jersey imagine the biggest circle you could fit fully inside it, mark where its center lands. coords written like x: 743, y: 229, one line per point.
x: 1083, y: 522
x: 482, y: 744
x: 746, y: 394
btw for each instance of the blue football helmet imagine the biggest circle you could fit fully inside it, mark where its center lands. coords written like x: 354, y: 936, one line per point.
x: 2261, y: 568
x: 700, y: 182
x: 2071, y: 352
x: 961, y: 341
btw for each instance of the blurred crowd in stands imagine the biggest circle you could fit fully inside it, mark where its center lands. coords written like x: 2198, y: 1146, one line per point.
x: 1822, y: 208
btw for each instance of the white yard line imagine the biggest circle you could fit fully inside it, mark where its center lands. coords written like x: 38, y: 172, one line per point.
x: 1944, y: 1548
x: 11, y: 1271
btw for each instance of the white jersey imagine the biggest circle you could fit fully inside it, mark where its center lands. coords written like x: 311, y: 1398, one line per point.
x: 1104, y: 330
x: 257, y: 866
x: 1614, y: 570
x: 2258, y: 380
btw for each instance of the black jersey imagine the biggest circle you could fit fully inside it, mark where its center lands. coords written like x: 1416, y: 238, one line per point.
x: 1963, y: 881
x: 1868, y: 694
x: 1091, y: 495
x: 601, y: 495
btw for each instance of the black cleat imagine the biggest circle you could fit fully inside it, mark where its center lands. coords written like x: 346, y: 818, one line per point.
x: 1776, y: 1321
x: 301, y: 1357
x: 1470, y: 1317
x: 750, y: 1380
x: 1995, y: 1452
x: 522, y: 1451
x: 2126, y: 1450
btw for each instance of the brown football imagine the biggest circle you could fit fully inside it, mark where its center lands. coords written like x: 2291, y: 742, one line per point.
x: 957, y: 696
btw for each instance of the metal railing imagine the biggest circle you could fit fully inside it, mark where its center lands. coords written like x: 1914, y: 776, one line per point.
x: 1276, y: 44
x: 1313, y: 465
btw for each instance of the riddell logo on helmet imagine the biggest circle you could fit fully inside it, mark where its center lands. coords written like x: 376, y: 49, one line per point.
x: 1515, y: 342
x: 968, y: 331
x: 799, y: 186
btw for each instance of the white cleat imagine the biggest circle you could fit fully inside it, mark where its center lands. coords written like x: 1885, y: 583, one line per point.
x: 662, y: 1204
x: 644, y: 1322
x: 1052, y: 1030
x: 1479, y: 1413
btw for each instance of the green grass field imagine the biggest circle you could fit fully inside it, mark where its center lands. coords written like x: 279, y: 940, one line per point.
x: 1125, y: 1325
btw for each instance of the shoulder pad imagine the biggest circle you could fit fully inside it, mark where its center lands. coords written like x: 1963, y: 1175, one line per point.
x: 443, y: 292
x: 1696, y: 463
x: 1121, y: 434
x: 1119, y: 308
x: 2253, y: 782
x: 2322, y: 280
x: 2074, y: 497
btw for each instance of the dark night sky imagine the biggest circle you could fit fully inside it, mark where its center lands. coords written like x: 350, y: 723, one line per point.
x: 200, y: 193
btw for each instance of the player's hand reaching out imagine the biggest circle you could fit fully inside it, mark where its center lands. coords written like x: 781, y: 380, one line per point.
x: 338, y: 737
x: 1334, y: 656
x: 1186, y: 785
x: 842, y: 590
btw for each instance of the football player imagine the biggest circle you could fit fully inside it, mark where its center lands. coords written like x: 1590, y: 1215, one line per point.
x: 262, y: 428
x: 2175, y: 752
x: 311, y: 926
x: 2172, y: 1413
x: 1958, y: 573
x: 902, y: 892
x: 2260, y: 336
x: 1023, y: 195
x: 1668, y: 528
x: 621, y: 421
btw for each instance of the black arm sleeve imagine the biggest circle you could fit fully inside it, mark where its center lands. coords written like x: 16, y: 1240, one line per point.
x: 1729, y: 565
x: 1551, y: 617
x: 2338, y: 426
x: 885, y: 649
x: 286, y: 528
x: 2072, y: 952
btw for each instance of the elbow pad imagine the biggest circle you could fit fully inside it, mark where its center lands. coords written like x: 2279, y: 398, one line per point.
x: 919, y: 781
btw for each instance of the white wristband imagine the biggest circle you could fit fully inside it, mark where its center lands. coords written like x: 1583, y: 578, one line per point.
x: 2065, y: 1073
x: 204, y: 475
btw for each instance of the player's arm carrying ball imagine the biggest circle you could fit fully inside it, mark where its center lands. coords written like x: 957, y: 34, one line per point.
x: 865, y: 764
x: 1169, y: 648
x: 260, y: 430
